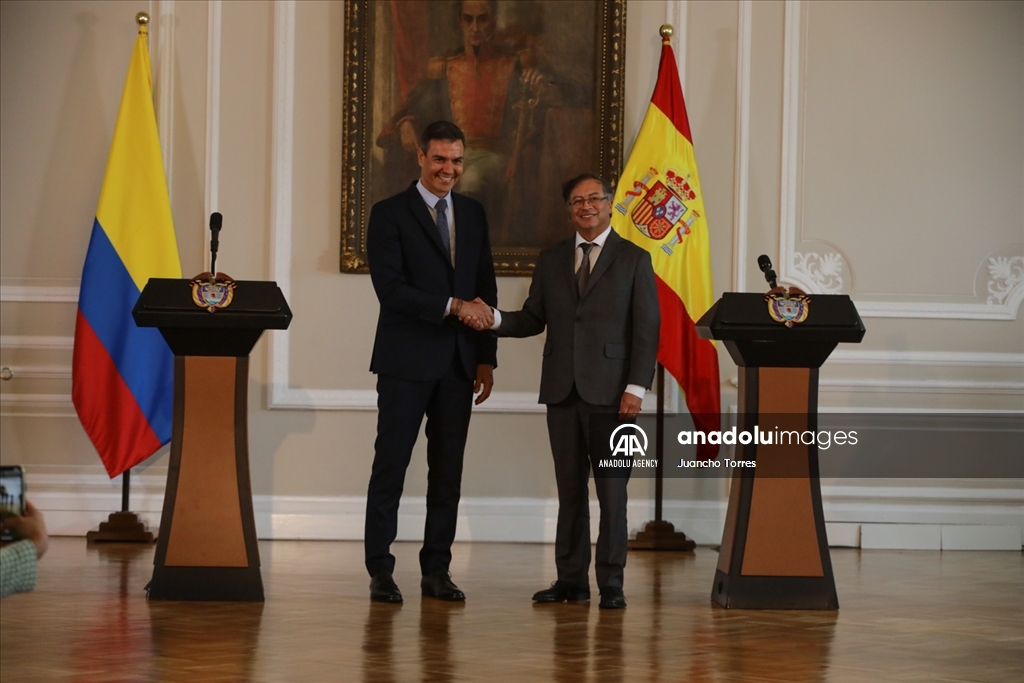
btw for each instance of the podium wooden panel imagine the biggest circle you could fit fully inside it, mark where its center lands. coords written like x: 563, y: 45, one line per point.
x: 206, y: 548
x: 774, y: 552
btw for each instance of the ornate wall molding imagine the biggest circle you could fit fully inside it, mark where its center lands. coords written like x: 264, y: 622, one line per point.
x: 49, y: 343
x: 36, y: 405
x: 162, y: 57
x: 741, y: 182
x: 25, y: 404
x: 938, y: 359
x: 39, y: 371
x: 214, y: 25
x: 38, y: 294
x: 677, y: 13
x: 822, y: 271
x: 934, y: 358
x: 926, y: 386
x: 823, y: 267
x: 1006, y: 275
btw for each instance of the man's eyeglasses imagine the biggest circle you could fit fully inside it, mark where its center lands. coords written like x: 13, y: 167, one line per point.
x: 593, y: 200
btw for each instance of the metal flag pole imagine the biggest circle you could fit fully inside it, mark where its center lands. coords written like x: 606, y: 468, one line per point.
x: 659, y: 534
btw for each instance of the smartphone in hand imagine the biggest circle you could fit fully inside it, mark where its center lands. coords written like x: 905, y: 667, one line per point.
x: 12, y: 496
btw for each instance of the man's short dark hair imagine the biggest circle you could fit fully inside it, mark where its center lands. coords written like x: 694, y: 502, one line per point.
x: 441, y: 130
x: 569, y: 185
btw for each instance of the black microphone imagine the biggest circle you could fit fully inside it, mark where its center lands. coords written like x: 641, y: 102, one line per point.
x: 215, y: 221
x: 765, y: 264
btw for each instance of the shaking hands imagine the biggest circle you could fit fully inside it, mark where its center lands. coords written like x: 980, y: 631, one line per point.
x: 475, y: 314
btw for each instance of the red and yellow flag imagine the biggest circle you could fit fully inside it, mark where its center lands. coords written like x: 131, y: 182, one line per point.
x: 659, y: 207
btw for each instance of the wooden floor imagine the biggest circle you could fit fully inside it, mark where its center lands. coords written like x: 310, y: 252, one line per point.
x: 904, y: 616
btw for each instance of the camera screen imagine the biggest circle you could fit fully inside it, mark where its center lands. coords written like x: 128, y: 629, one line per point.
x: 12, y: 492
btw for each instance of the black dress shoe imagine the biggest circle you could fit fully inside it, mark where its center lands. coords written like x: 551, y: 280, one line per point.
x: 439, y: 585
x: 384, y: 589
x: 612, y: 598
x: 563, y: 591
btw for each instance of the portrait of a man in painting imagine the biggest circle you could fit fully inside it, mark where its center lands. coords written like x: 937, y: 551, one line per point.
x: 526, y: 80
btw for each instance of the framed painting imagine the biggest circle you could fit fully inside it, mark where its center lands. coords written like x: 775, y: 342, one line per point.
x: 536, y: 86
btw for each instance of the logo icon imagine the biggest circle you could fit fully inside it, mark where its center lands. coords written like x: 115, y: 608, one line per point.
x: 628, y: 443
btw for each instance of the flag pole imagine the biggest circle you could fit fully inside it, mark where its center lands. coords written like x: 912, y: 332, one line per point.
x: 659, y: 482
x: 660, y: 534
x: 124, y: 526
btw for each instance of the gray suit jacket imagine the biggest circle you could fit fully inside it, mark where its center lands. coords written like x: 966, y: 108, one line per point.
x: 602, y: 341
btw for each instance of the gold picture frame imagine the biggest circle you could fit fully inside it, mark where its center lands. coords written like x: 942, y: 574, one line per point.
x: 540, y: 98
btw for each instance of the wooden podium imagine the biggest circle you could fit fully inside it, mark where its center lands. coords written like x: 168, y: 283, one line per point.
x: 206, y: 548
x: 774, y: 552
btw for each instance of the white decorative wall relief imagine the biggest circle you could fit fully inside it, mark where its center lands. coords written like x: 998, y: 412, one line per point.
x: 1006, y: 274
x: 823, y: 271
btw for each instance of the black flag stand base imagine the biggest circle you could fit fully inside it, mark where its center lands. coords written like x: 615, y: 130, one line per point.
x: 123, y: 526
x: 659, y: 534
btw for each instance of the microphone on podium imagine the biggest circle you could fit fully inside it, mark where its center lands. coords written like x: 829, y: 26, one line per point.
x: 765, y: 264
x: 215, y: 222
x: 213, y: 290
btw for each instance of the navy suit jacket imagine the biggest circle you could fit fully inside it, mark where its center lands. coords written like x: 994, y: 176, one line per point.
x: 413, y: 277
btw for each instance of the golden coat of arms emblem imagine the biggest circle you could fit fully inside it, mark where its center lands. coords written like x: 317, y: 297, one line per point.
x: 788, y: 307
x: 658, y: 206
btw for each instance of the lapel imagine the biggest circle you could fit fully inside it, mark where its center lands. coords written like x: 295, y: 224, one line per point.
x: 463, y: 228
x: 567, y: 265
x: 419, y: 210
x: 608, y: 253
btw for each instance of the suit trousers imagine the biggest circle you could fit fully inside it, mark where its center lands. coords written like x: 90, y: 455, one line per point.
x: 569, y: 430
x: 401, y: 405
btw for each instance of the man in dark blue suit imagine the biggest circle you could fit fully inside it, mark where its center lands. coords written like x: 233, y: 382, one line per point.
x: 430, y: 263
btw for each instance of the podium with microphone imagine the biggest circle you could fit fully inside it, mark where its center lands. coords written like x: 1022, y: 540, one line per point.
x: 206, y: 549
x: 774, y: 552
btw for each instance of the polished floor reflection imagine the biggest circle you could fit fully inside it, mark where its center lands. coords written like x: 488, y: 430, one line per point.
x: 904, y: 616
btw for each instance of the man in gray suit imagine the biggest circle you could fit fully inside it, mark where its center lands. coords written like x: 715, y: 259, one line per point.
x: 596, y: 295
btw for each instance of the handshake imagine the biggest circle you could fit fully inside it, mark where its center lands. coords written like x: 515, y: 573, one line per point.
x: 475, y: 313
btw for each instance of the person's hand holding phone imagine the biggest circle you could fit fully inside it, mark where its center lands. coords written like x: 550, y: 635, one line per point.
x: 12, y: 497
x: 30, y: 526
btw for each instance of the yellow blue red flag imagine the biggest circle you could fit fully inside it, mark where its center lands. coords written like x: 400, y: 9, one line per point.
x: 659, y: 206
x: 123, y: 375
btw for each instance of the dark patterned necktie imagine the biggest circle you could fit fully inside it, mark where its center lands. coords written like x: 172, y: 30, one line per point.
x: 583, y: 274
x: 442, y: 226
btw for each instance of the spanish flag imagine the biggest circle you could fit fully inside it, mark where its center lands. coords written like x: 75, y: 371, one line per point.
x: 659, y: 206
x: 123, y: 375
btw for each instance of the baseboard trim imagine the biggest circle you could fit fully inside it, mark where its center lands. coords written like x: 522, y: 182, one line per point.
x: 872, y: 516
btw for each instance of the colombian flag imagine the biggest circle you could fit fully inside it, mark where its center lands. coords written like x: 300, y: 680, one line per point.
x: 123, y: 375
x: 659, y: 206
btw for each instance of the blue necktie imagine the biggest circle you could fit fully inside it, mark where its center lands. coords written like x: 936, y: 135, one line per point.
x: 442, y: 226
